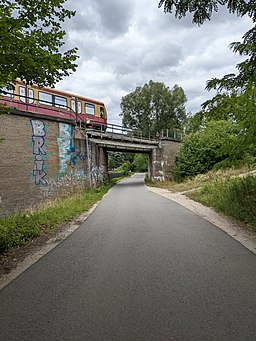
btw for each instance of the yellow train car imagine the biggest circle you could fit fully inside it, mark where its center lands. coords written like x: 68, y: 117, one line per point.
x: 56, y: 103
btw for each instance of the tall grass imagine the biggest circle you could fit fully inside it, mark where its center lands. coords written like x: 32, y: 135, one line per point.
x: 235, y: 197
x: 17, y: 230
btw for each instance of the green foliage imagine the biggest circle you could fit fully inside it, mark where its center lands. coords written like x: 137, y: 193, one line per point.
x: 195, y: 122
x: 17, y: 230
x: 126, y: 162
x: 154, y: 107
x: 31, y: 40
x: 201, y: 150
x: 235, y: 96
x: 116, y: 159
x: 202, y: 11
x: 140, y: 163
x: 241, y: 108
x: 235, y: 197
x: 125, y: 168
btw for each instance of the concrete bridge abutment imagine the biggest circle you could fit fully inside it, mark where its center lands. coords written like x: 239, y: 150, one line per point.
x: 162, y: 159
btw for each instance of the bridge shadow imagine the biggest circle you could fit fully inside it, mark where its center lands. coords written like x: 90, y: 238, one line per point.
x: 131, y: 184
x: 135, y: 181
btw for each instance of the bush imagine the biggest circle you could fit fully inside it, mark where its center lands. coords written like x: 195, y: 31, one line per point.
x: 200, y: 151
x: 125, y: 168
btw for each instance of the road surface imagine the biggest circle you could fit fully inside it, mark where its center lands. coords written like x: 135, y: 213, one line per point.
x: 141, y: 267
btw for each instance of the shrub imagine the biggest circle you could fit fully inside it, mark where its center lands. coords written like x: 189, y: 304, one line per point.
x: 200, y: 151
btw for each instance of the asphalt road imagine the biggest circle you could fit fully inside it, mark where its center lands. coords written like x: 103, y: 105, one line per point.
x: 141, y: 267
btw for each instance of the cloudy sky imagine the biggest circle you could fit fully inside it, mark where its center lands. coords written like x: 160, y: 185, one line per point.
x: 124, y: 44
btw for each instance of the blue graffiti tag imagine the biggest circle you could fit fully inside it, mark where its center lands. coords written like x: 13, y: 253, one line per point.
x: 38, y: 140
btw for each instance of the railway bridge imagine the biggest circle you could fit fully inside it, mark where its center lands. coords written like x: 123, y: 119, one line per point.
x: 161, y: 150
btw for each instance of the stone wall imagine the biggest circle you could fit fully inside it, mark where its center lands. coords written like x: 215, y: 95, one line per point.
x: 39, y: 160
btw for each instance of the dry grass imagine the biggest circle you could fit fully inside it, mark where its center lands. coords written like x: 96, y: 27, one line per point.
x: 200, y: 180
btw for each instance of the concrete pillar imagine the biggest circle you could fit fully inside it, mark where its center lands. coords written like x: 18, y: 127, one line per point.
x: 157, y: 164
x: 150, y: 165
x: 98, y: 164
x: 163, y: 159
x: 170, y: 148
x: 103, y: 163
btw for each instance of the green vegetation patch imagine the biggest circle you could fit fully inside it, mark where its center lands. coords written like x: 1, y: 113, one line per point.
x: 17, y: 230
x: 235, y: 197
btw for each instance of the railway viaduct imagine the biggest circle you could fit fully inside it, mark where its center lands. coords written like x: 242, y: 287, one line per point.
x: 43, y: 158
x: 161, y: 152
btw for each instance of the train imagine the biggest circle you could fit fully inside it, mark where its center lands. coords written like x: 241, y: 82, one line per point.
x: 57, y: 104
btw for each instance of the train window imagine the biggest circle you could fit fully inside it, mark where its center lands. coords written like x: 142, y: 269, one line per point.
x: 101, y: 112
x: 89, y: 109
x: 22, y: 91
x: 60, y: 102
x: 79, y: 107
x: 45, y: 98
x: 73, y: 105
x: 6, y: 92
x: 30, y: 96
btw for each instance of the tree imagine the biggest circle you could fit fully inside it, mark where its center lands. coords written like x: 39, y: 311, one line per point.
x: 241, y: 109
x: 154, y: 107
x: 31, y: 42
x: 116, y: 159
x: 140, y: 163
x: 202, y: 10
x: 236, y: 93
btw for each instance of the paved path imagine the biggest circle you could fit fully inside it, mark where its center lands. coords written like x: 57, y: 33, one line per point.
x: 141, y: 267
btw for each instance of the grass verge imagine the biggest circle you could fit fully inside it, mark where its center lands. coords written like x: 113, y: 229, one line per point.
x: 235, y: 197
x: 230, y: 191
x: 17, y: 230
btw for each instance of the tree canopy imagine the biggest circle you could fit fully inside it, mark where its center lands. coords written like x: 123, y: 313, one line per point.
x: 202, y: 11
x: 234, y: 103
x: 31, y: 42
x: 154, y: 107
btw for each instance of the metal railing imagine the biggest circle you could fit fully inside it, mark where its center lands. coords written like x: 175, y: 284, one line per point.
x: 113, y: 129
x: 135, y: 133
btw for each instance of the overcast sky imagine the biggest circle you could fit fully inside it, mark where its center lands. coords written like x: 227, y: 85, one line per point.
x: 124, y: 44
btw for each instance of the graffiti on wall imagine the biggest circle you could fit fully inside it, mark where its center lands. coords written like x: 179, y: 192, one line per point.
x: 64, y: 142
x: 39, y: 151
x: 97, y: 175
x: 66, y: 182
x: 78, y: 156
x: 158, y: 173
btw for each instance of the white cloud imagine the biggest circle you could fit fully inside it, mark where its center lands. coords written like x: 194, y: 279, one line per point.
x: 123, y: 45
